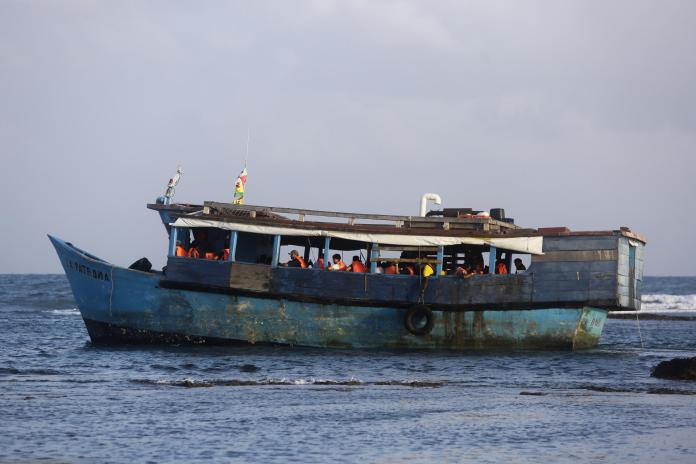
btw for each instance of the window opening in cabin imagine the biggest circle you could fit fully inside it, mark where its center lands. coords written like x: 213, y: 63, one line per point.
x: 202, y: 243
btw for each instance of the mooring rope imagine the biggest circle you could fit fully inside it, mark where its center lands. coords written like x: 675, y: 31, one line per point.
x: 640, y: 334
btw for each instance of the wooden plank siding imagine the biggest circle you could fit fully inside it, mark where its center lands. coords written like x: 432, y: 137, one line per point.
x: 580, y: 268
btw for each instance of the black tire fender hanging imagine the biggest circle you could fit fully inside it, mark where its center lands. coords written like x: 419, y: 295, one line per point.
x: 416, y: 312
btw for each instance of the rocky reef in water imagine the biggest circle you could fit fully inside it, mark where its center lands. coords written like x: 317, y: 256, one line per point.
x: 676, y: 369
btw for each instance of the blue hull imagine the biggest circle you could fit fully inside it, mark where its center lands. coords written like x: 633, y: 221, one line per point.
x: 122, y: 305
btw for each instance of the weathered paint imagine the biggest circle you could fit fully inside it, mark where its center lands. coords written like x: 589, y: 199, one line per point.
x: 276, y: 251
x: 133, y: 302
x: 327, y: 252
x: 233, y: 246
x: 440, y: 258
x: 172, y: 241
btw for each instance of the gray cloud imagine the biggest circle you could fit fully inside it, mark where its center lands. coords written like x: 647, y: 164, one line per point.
x: 565, y: 113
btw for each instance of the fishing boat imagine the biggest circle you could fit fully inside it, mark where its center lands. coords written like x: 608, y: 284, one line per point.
x: 425, y: 284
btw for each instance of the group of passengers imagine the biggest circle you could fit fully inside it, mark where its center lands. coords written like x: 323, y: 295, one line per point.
x: 469, y: 269
x: 408, y: 264
x: 203, y: 247
x: 337, y: 263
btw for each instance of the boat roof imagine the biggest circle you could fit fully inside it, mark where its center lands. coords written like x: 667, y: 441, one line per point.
x: 367, y: 227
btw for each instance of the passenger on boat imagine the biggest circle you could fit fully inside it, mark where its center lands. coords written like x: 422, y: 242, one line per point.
x: 320, y: 262
x: 465, y: 272
x: 296, y: 260
x: 193, y: 252
x: 180, y: 250
x: 519, y: 266
x: 356, y: 265
x: 428, y: 270
x: 200, y: 242
x: 500, y: 267
x: 407, y: 269
x: 389, y: 268
x: 338, y: 264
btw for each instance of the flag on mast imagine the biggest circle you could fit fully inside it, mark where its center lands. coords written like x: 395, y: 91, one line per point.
x: 239, y: 187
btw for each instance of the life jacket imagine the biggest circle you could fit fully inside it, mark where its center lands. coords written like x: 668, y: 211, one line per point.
x: 501, y: 268
x: 411, y: 270
x: 339, y: 266
x: 225, y: 254
x: 358, y: 266
x: 302, y: 262
x: 194, y: 253
x: 320, y: 263
x: 390, y: 269
x: 210, y: 255
x: 180, y: 251
x: 428, y: 270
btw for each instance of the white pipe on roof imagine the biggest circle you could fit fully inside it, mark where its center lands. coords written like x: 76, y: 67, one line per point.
x: 424, y: 201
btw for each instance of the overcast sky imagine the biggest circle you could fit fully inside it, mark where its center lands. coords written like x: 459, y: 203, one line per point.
x: 574, y: 113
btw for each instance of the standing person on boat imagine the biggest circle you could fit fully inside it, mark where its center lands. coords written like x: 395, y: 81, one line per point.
x: 519, y: 267
x: 296, y: 260
x: 356, y: 265
x: 199, y: 244
x: 338, y: 264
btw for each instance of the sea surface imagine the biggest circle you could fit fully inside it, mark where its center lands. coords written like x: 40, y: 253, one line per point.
x: 64, y: 400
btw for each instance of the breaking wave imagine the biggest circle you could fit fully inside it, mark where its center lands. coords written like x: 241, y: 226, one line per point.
x: 66, y: 312
x: 663, y: 302
x: 352, y: 382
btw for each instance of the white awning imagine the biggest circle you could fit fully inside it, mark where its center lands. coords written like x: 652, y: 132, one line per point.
x: 532, y: 245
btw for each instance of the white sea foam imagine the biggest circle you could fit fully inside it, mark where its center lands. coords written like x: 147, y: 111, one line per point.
x: 66, y: 312
x: 662, y: 302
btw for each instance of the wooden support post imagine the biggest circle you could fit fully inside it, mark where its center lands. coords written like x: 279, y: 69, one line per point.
x: 327, y: 251
x: 374, y: 256
x: 233, y: 246
x: 276, y: 251
x: 491, y: 260
x: 173, y: 232
x: 440, y: 258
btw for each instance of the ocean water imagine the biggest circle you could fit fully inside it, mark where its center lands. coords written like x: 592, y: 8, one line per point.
x: 64, y: 400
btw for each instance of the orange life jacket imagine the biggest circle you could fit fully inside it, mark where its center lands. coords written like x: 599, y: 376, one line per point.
x: 501, y: 268
x: 358, y: 266
x: 210, y: 255
x: 302, y: 262
x: 194, y: 253
x: 225, y: 254
x: 320, y: 263
x: 341, y: 266
x: 390, y: 269
x: 180, y: 251
x: 411, y: 270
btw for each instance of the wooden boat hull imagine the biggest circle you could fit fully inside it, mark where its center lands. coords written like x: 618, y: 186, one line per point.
x: 126, y: 306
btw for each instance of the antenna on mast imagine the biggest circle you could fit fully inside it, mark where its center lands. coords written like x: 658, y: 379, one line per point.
x: 246, y: 157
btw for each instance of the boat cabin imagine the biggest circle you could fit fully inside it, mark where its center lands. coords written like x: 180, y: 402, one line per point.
x: 404, y: 245
x: 245, y: 248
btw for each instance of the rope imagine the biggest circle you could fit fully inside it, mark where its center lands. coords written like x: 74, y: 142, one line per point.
x: 640, y: 334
